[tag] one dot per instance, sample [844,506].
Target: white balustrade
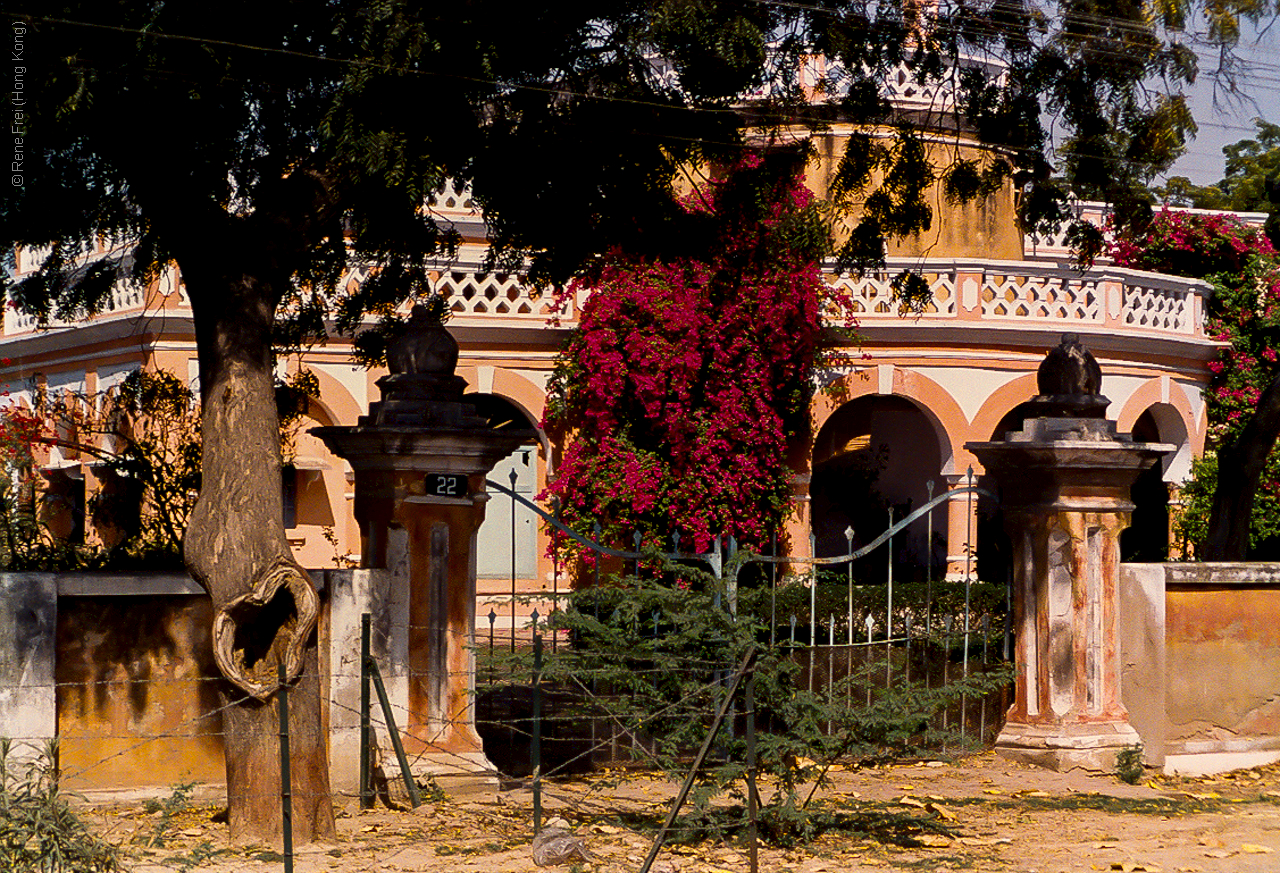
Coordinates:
[873,295]
[963,292]
[1041,298]
[125,295]
[1026,292]
[1171,310]
[497,295]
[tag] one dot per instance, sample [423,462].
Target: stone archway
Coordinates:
[875,452]
[494,541]
[1148,536]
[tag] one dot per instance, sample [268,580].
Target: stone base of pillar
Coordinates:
[1090,747]
[458,774]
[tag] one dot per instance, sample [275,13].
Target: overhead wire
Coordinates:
[793,114]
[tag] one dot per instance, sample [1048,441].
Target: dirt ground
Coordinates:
[978,813]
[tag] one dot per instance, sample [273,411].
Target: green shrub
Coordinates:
[1129,764]
[653,657]
[38,829]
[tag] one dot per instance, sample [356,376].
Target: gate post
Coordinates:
[1065,480]
[420,458]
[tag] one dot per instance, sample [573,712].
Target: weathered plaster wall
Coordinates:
[120,667]
[28,616]
[384,595]
[1201,648]
[136,685]
[1143,658]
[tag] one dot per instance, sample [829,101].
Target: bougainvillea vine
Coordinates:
[687,379]
[1244,312]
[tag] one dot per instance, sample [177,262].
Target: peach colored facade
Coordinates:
[923,385]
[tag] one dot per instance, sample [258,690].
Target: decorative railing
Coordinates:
[872,295]
[1015,295]
[961,293]
[1054,246]
[498,295]
[125,296]
[905,86]
[1026,293]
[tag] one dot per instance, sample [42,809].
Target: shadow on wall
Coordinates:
[131,667]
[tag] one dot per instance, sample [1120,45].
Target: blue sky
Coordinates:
[1231,120]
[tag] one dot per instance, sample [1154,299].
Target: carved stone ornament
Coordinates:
[424,348]
[1070,383]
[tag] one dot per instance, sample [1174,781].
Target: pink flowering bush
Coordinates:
[1244,312]
[687,378]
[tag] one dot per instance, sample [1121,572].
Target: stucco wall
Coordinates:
[132,668]
[28,616]
[120,668]
[1201,649]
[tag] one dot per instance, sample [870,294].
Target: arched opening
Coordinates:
[874,454]
[1147,537]
[508,537]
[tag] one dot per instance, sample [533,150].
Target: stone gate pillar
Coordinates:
[420,458]
[1064,481]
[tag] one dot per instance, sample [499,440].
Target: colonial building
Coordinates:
[920,386]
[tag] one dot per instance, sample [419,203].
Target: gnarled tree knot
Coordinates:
[267,625]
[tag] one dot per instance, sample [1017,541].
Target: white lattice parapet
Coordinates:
[125,296]
[905,86]
[1016,295]
[498,295]
[1026,293]
[1055,247]
[873,295]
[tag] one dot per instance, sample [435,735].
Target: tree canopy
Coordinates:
[265,147]
[1251,183]
[1232,502]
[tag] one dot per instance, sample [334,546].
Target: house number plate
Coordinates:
[446,485]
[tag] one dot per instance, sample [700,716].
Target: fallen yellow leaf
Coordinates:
[934,841]
[1254,849]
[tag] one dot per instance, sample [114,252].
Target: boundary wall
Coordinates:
[1201,654]
[119,667]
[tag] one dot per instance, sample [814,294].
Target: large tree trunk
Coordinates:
[1240,467]
[266,607]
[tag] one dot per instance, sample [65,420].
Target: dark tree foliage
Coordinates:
[1251,183]
[264,147]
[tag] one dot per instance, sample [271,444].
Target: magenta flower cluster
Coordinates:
[1245,308]
[686,381]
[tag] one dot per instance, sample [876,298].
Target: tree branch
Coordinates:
[1240,466]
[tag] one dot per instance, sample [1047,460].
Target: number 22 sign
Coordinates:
[446,485]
